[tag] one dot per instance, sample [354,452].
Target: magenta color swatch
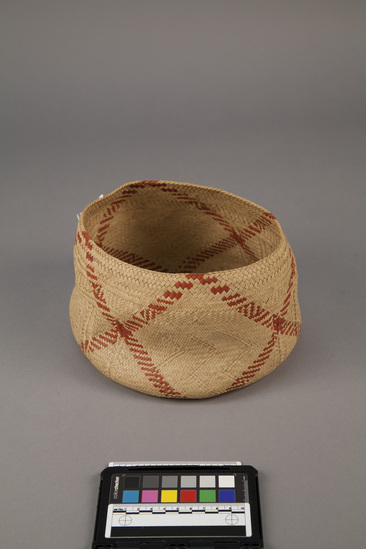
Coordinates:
[149,496]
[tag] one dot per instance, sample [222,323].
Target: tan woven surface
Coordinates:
[183,291]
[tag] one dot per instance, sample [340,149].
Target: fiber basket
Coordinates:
[183,291]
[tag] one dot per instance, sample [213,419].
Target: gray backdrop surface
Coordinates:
[263,99]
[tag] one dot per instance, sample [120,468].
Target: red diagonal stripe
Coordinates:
[150,371]
[241,237]
[281,325]
[256,366]
[103,340]
[133,259]
[255,312]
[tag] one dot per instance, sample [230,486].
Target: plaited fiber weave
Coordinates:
[183,291]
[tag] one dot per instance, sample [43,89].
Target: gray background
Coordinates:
[262,99]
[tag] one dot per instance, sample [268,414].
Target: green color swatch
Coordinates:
[207,496]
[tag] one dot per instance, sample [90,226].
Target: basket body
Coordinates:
[183,291]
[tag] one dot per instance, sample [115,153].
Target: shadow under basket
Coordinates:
[183,291]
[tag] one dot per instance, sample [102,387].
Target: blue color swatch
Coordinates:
[226,496]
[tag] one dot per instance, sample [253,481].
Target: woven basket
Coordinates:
[183,291]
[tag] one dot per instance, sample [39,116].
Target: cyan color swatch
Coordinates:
[130,496]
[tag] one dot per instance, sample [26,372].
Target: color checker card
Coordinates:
[157,506]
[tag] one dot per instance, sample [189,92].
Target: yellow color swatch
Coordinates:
[168,496]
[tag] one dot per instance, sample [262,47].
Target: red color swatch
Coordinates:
[188,496]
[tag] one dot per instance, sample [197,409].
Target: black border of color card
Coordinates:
[178,505]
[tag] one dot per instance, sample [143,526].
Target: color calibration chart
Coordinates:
[181,499]
[187,504]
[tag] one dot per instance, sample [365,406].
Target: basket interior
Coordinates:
[176,228]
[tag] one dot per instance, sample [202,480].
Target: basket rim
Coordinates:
[93,206]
